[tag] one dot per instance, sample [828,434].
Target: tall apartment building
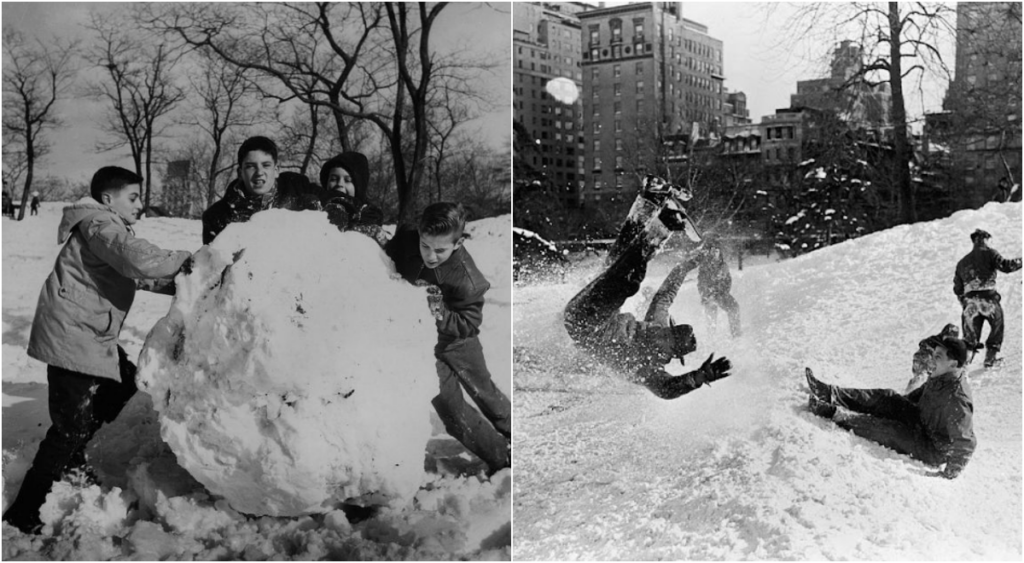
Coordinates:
[546,45]
[858,103]
[648,74]
[983,105]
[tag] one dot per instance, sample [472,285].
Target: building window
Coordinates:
[639,106]
[597,145]
[639,86]
[617,89]
[593,54]
[639,68]
[618,163]
[616,70]
[597,127]
[595,37]
[638,28]
[618,144]
[618,107]
[618,125]
[595,73]
[616,27]
[597,164]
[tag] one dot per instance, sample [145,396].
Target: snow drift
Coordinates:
[741,470]
[293,372]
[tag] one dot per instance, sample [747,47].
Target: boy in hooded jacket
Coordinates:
[432,254]
[344,179]
[78,318]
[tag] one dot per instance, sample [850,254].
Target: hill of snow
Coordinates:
[741,470]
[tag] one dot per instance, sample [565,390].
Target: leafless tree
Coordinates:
[899,40]
[36,74]
[140,87]
[369,62]
[226,102]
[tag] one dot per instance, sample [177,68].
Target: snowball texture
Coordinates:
[294,369]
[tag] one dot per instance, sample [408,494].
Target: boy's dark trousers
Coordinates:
[887,418]
[461,365]
[79,404]
[980,306]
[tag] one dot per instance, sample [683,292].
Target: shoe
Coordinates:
[820,408]
[991,357]
[819,390]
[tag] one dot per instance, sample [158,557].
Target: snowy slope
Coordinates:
[741,470]
[455,514]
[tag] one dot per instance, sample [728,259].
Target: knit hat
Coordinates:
[355,164]
[955,349]
[979,233]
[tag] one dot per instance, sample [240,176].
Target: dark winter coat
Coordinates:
[946,409]
[292,191]
[713,277]
[86,297]
[462,285]
[977,271]
[349,213]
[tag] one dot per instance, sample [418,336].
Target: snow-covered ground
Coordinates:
[741,470]
[457,512]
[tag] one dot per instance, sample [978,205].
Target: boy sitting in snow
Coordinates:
[78,318]
[641,349]
[433,255]
[924,358]
[932,424]
[344,179]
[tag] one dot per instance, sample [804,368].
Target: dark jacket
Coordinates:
[86,297]
[293,191]
[946,410]
[976,272]
[713,277]
[462,285]
[348,213]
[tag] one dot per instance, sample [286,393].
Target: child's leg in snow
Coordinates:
[972,320]
[907,439]
[993,311]
[883,403]
[604,296]
[72,404]
[465,424]
[728,302]
[465,359]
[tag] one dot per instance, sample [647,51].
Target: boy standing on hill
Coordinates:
[974,284]
[433,255]
[78,318]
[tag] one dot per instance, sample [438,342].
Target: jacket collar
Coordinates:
[81,210]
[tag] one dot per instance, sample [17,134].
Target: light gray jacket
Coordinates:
[85,299]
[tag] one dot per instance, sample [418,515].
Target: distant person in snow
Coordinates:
[932,424]
[8,205]
[260,185]
[344,179]
[34,206]
[714,283]
[924,358]
[432,254]
[641,349]
[81,309]
[974,284]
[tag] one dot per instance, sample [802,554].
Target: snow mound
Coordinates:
[268,373]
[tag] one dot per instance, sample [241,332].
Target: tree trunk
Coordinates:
[211,186]
[339,119]
[149,160]
[908,209]
[314,121]
[30,159]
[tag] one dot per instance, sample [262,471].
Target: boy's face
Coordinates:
[943,363]
[435,249]
[127,201]
[339,179]
[258,172]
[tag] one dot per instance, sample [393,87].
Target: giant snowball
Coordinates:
[294,371]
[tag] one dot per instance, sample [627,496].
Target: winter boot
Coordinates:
[819,390]
[991,357]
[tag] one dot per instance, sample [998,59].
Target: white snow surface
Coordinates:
[741,469]
[268,372]
[149,507]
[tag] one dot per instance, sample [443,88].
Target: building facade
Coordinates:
[648,75]
[981,124]
[546,46]
[843,92]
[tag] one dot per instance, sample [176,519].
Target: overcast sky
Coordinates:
[483,28]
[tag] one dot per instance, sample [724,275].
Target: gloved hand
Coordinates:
[370,215]
[713,370]
[337,214]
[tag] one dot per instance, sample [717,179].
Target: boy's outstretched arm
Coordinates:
[132,257]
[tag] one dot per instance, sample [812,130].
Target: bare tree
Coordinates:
[35,75]
[226,103]
[367,62]
[899,39]
[140,87]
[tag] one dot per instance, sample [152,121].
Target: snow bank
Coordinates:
[268,373]
[741,469]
